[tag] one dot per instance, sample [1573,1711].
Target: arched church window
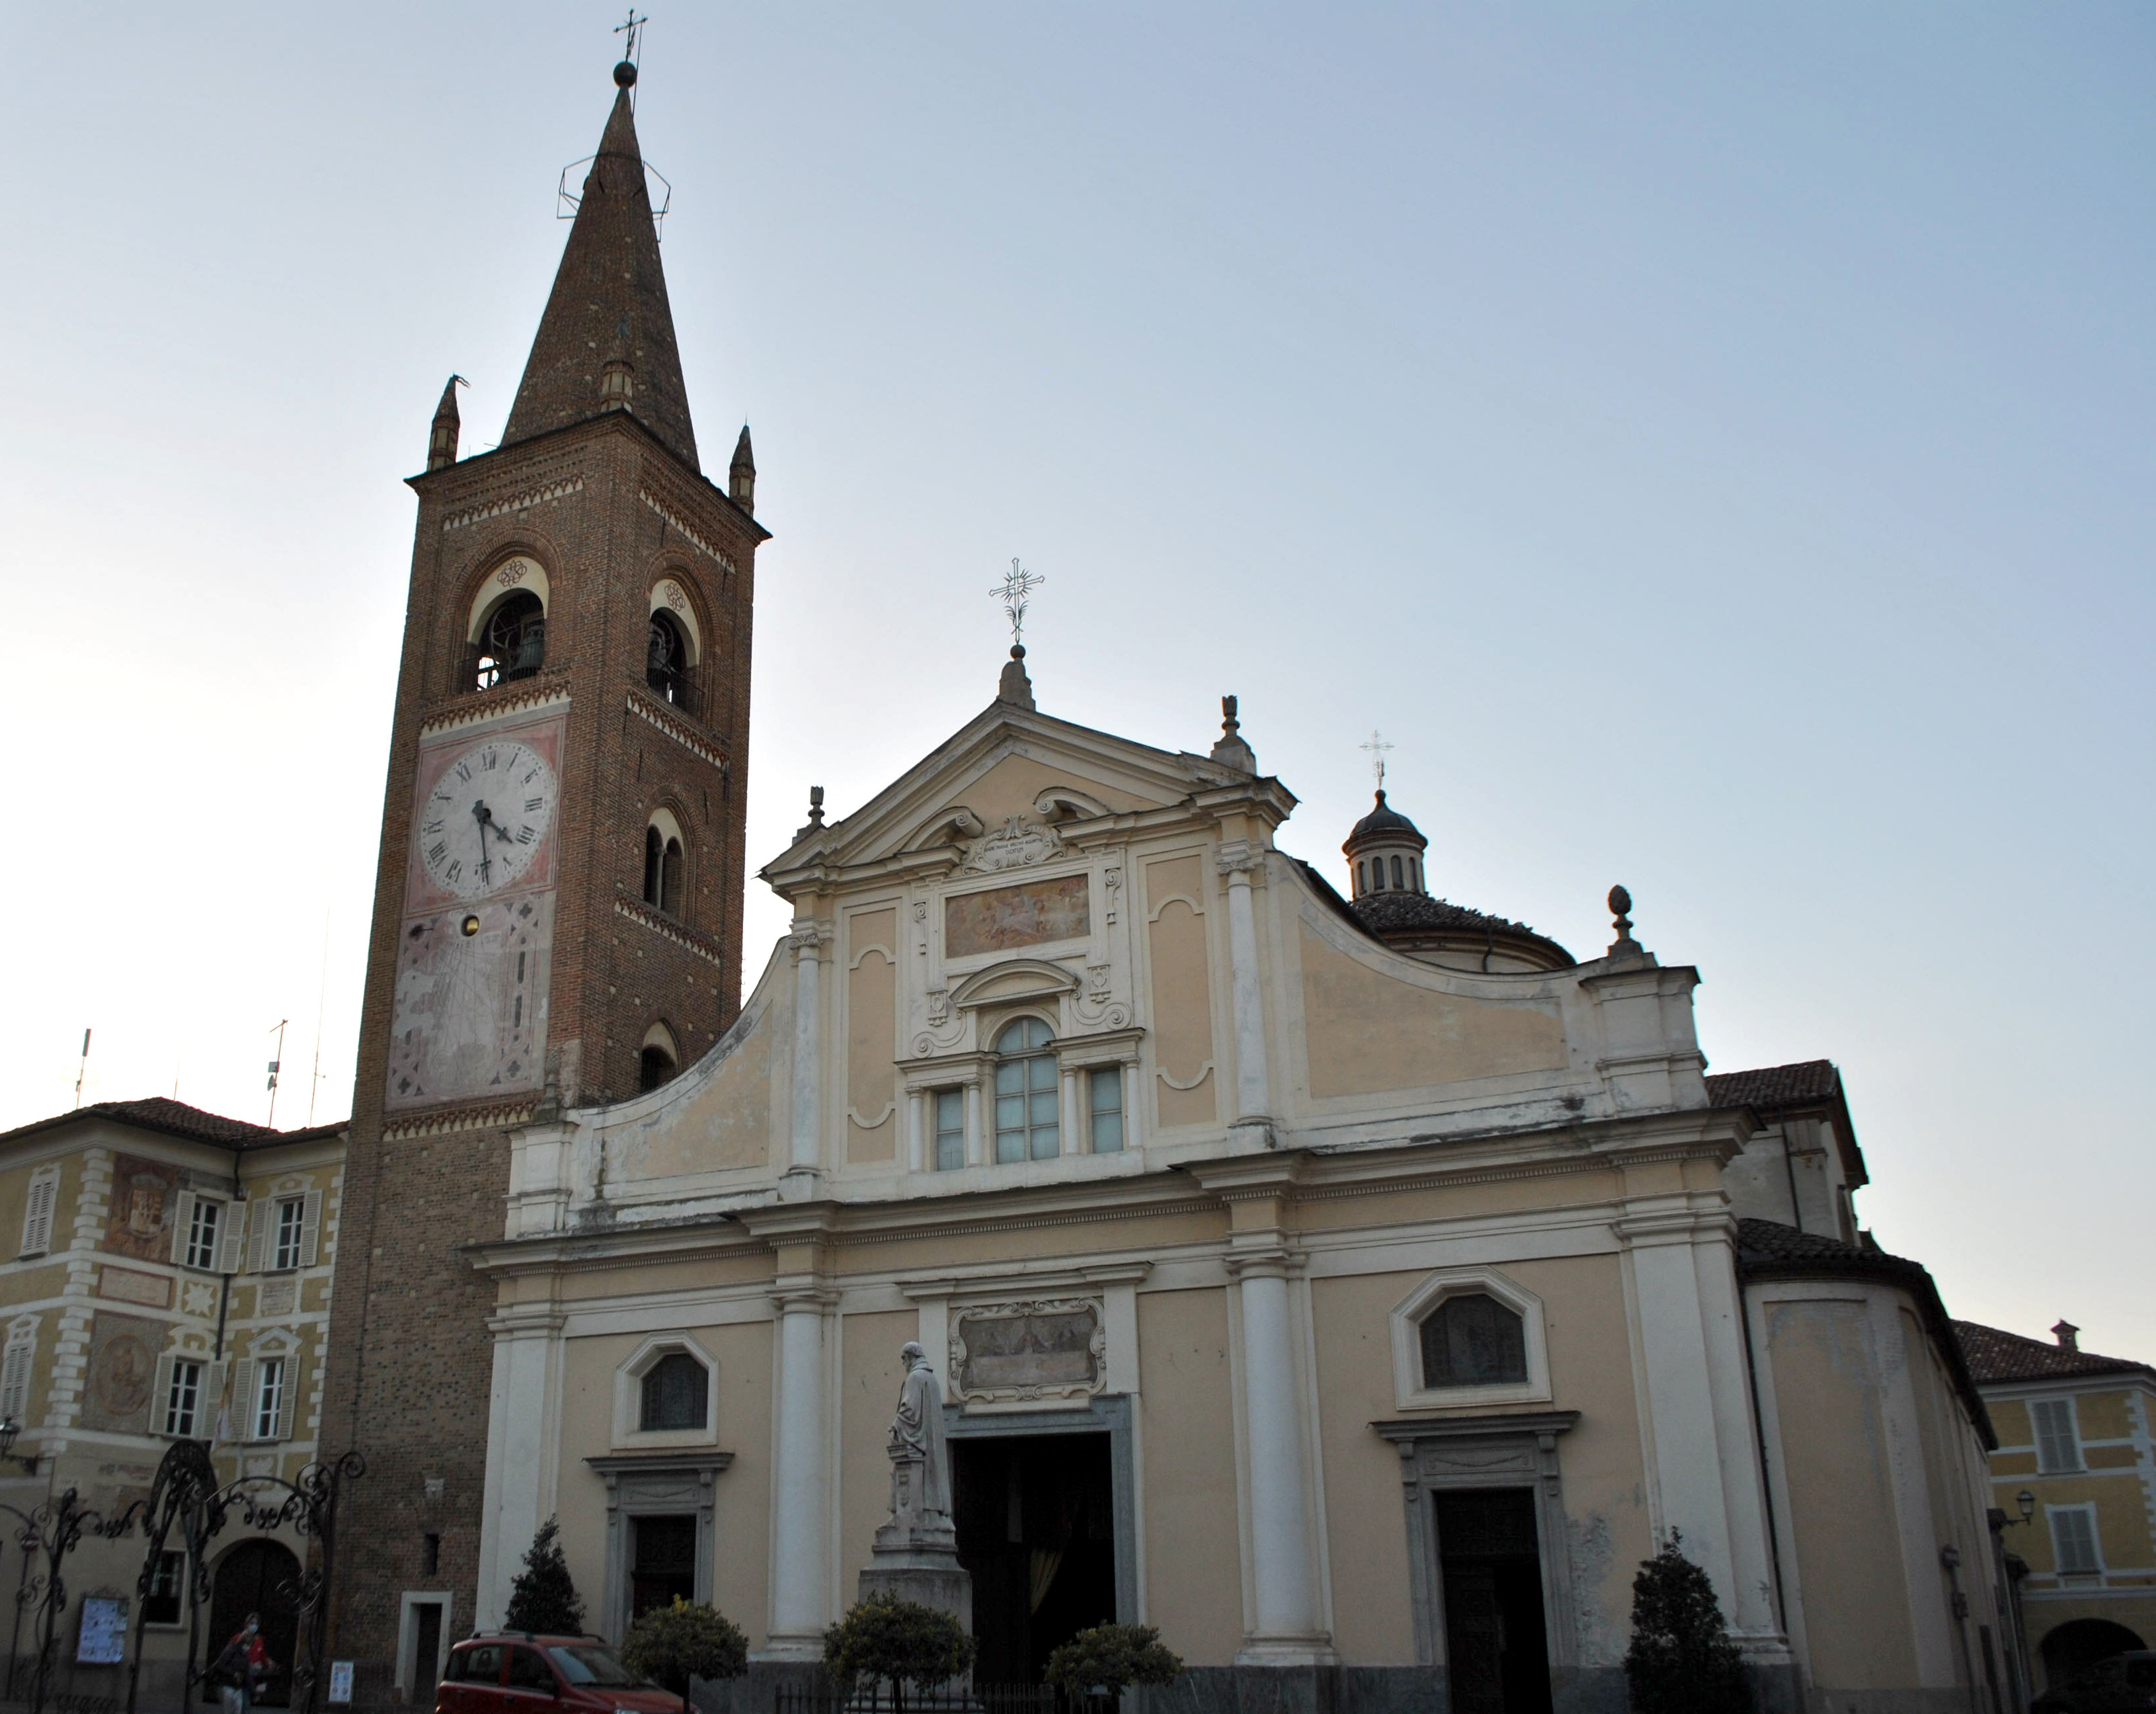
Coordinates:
[663,863]
[666,661]
[1362,877]
[1397,882]
[513,643]
[658,1060]
[1471,1340]
[676,1395]
[1026,1093]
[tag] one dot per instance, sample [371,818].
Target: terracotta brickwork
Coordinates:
[608,509]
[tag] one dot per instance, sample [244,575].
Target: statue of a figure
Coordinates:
[916,1438]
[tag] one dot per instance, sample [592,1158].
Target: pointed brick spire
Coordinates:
[442,438]
[607,340]
[740,475]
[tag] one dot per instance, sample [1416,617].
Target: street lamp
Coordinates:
[2026,1500]
[9,1429]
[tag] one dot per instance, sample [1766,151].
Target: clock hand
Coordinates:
[480,815]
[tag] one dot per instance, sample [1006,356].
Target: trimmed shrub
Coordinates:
[1110,1656]
[670,1645]
[1681,1660]
[885,1640]
[544,1598]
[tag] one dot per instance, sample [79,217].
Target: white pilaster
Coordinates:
[521,1451]
[1702,1445]
[805,1143]
[1287,1628]
[1253,1078]
[801,1523]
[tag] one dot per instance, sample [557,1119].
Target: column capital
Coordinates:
[790,1296]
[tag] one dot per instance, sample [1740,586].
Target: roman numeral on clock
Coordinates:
[437,851]
[532,806]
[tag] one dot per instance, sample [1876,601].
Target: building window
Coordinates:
[268,1401]
[513,645]
[162,1604]
[1362,877]
[291,1222]
[184,1398]
[1397,882]
[666,662]
[2073,1540]
[950,1129]
[1104,1102]
[202,1234]
[1473,1340]
[658,1060]
[2058,1444]
[676,1395]
[15,1370]
[38,1210]
[662,865]
[664,1568]
[1026,1126]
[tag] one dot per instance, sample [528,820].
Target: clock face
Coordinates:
[487,818]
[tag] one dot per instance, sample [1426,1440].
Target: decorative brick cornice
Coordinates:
[540,690]
[496,1116]
[515,503]
[666,928]
[683,531]
[678,729]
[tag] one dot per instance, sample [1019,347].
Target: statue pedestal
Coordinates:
[915,1556]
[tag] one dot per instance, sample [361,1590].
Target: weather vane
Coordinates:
[634,26]
[1017,585]
[1377,746]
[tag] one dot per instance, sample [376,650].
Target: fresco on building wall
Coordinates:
[123,1357]
[143,1192]
[1008,917]
[1046,1345]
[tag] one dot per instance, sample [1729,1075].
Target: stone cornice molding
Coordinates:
[823,1299]
[1644,1226]
[1545,1425]
[706,1463]
[1622,981]
[984,1278]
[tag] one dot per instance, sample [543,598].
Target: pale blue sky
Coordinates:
[1713,443]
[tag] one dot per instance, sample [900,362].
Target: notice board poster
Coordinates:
[102,1641]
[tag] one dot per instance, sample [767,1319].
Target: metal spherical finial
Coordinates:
[624,74]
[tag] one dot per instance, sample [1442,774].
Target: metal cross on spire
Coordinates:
[634,27]
[1377,746]
[1017,585]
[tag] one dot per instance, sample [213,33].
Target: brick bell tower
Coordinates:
[557,910]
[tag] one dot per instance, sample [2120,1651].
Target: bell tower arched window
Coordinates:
[663,863]
[512,642]
[658,1060]
[1027,1128]
[667,661]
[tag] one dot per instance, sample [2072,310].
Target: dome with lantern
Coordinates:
[1392,899]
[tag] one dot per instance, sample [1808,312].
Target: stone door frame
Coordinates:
[1446,1455]
[656,1484]
[1109,1414]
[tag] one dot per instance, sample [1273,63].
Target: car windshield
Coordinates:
[582,1664]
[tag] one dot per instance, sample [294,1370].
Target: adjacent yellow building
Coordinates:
[172,1281]
[2074,1474]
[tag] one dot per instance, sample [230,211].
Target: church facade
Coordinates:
[1355,1288]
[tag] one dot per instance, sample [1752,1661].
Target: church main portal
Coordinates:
[1036,1528]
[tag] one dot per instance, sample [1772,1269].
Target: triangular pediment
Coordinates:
[1010,782]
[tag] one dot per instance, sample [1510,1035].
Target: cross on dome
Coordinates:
[1377,746]
[1017,585]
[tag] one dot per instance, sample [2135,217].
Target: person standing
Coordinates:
[232,1672]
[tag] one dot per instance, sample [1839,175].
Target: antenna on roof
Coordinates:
[82,1071]
[279,1032]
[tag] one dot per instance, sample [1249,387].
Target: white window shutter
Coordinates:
[310,1229]
[284,1399]
[15,1383]
[232,1237]
[38,1215]
[183,1222]
[208,1417]
[160,1394]
[258,1232]
[242,1421]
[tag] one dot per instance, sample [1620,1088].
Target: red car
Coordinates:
[522,1673]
